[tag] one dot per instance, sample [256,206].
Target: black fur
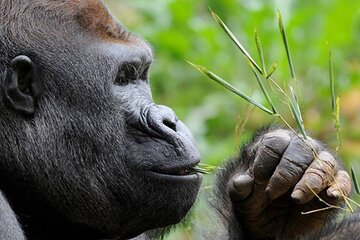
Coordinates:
[348,228]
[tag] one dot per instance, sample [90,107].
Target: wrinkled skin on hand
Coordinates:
[279,183]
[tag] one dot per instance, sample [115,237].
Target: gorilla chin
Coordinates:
[178,196]
[173,192]
[165,199]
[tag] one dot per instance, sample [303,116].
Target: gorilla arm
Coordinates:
[9,228]
[262,193]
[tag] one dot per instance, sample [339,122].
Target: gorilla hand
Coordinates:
[278,183]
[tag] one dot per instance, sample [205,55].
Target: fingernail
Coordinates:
[297,195]
[269,192]
[243,184]
[243,180]
[335,193]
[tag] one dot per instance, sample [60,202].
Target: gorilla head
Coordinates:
[83,146]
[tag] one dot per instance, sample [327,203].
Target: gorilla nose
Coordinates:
[163,123]
[162,119]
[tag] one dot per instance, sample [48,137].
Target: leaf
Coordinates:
[295,108]
[271,70]
[260,51]
[332,83]
[263,89]
[337,122]
[228,86]
[236,41]
[286,44]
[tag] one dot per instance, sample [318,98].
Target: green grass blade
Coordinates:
[332,83]
[264,90]
[356,183]
[335,101]
[298,122]
[295,108]
[208,168]
[236,41]
[286,44]
[271,70]
[200,170]
[260,51]
[228,86]
[337,122]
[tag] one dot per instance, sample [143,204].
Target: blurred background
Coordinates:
[181,30]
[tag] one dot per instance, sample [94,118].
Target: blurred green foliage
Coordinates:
[181,30]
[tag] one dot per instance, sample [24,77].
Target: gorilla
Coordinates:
[86,154]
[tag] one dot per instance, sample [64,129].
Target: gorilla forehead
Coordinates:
[91,15]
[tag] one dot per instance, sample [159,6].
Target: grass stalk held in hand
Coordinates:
[295,104]
[286,44]
[329,206]
[291,100]
[261,53]
[295,109]
[230,87]
[236,41]
[332,83]
[271,70]
[335,102]
[264,90]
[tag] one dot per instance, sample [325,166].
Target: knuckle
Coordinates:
[266,152]
[243,185]
[295,163]
[344,178]
[299,152]
[286,178]
[327,157]
[277,141]
[314,144]
[315,179]
[326,162]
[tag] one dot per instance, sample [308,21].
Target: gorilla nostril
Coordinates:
[170,124]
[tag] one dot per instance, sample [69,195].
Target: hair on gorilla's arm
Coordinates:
[9,226]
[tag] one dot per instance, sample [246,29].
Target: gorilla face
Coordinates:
[88,147]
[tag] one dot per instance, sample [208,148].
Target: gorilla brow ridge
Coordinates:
[96,18]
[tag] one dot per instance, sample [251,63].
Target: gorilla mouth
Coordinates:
[187,172]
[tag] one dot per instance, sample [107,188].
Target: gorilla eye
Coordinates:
[130,73]
[145,72]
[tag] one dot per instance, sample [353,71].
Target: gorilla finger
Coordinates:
[296,159]
[316,178]
[243,185]
[270,149]
[341,186]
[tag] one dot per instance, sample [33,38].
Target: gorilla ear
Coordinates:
[19,86]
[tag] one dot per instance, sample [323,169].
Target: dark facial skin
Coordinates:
[93,153]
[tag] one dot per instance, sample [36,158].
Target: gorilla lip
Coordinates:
[180,172]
